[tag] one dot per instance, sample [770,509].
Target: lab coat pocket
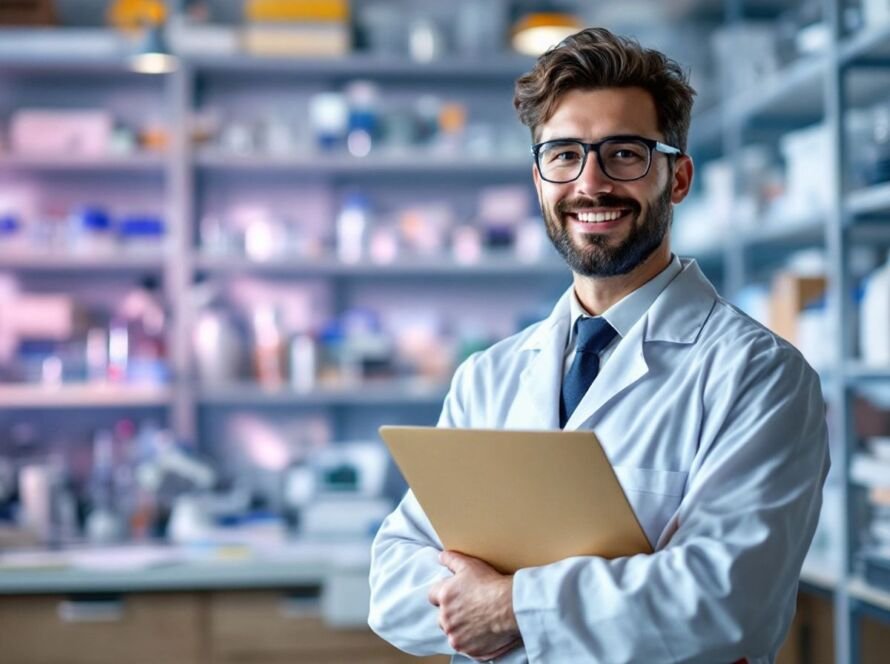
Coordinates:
[654,496]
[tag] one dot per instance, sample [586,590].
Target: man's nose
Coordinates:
[593,180]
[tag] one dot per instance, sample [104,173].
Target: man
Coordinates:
[715,427]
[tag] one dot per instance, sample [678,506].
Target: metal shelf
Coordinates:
[135,163]
[858,588]
[790,233]
[490,265]
[868,201]
[344,164]
[498,66]
[68,50]
[83,396]
[43,261]
[819,575]
[866,47]
[857,372]
[383,393]
[794,95]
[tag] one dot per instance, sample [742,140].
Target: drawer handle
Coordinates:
[300,603]
[91,611]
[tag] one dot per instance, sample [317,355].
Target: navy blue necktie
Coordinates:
[593,334]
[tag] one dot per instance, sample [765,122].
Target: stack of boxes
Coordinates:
[302,28]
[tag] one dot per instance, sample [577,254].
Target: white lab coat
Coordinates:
[716,430]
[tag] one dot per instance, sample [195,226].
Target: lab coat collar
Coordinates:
[555,324]
[677,316]
[679,313]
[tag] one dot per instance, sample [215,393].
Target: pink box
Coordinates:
[42,316]
[52,132]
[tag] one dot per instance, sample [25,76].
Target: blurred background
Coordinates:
[237,236]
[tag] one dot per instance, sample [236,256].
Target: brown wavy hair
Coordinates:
[596,58]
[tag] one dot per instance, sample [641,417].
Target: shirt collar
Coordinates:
[624,314]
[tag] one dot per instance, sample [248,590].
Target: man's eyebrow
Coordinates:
[584,140]
[563,138]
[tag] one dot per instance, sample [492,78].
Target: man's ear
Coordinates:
[682,178]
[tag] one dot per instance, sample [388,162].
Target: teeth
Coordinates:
[597,217]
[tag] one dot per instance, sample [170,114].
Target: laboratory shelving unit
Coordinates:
[809,90]
[185,169]
[851,72]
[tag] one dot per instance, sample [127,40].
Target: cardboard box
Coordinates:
[790,294]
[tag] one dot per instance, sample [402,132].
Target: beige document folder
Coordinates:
[517,498]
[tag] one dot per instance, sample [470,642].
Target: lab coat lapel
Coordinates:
[537,402]
[625,367]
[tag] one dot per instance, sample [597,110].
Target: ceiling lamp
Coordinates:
[154,56]
[534,33]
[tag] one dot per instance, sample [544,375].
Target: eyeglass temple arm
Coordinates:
[667,149]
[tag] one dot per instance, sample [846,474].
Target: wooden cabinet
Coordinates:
[137,629]
[230,627]
[271,628]
[811,637]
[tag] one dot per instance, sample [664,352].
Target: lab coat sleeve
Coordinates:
[405,558]
[723,586]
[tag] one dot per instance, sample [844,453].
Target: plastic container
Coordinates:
[329,117]
[90,231]
[12,237]
[352,226]
[141,234]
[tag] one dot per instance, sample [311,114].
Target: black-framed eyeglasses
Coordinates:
[623,158]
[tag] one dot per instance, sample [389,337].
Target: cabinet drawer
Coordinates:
[273,628]
[149,629]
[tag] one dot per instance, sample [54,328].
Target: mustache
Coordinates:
[568,206]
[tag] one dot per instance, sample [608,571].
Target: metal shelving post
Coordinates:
[180,255]
[839,312]
[733,128]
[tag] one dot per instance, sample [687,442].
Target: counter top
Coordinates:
[146,568]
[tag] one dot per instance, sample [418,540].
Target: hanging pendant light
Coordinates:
[537,31]
[153,55]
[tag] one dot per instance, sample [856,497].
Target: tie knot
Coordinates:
[594,334]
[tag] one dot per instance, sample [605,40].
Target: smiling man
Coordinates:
[715,427]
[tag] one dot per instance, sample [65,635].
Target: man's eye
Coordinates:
[563,156]
[625,154]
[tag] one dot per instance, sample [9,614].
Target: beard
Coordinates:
[596,258]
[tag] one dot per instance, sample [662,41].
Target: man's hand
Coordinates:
[475,607]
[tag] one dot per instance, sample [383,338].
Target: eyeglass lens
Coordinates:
[563,161]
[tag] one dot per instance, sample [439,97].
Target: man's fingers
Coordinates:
[453,560]
[433,594]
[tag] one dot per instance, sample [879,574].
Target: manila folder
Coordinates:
[517,499]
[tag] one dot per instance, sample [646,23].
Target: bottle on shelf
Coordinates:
[303,357]
[103,523]
[352,226]
[136,344]
[268,348]
[90,231]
